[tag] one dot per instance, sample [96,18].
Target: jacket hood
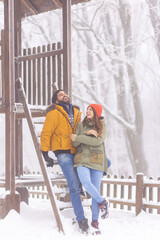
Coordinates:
[53,106]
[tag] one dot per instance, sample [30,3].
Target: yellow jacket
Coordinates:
[57,129]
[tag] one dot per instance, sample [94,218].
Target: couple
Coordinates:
[79,148]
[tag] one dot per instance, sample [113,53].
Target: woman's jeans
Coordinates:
[65,161]
[91,180]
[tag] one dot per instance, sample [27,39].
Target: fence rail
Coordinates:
[133,194]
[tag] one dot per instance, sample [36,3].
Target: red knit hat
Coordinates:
[97,108]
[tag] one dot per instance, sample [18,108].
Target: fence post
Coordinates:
[139,192]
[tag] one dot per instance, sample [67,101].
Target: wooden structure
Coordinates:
[133,194]
[14,64]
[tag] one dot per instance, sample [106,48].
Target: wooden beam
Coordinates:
[57,3]
[40,55]
[18,123]
[3,65]
[67,46]
[2,108]
[12,92]
[30,6]
[7,93]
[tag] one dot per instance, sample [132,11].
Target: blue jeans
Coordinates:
[91,180]
[65,161]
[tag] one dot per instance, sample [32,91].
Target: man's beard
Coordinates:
[67,101]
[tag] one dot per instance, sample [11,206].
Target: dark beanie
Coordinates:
[54,97]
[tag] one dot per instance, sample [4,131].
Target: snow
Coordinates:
[36,222]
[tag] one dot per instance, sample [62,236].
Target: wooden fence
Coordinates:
[41,71]
[136,194]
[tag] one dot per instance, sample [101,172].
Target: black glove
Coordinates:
[49,161]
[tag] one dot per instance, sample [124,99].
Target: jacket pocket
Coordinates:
[78,156]
[96,157]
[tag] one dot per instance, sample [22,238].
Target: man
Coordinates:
[61,121]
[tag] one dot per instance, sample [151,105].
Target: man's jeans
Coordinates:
[91,180]
[65,161]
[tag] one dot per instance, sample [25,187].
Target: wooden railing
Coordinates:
[133,194]
[41,71]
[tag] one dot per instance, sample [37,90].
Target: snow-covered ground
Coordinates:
[37,222]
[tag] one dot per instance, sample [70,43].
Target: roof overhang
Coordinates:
[34,7]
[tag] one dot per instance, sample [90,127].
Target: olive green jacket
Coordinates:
[90,150]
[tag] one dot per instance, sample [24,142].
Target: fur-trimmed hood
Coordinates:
[53,106]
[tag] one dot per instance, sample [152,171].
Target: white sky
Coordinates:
[37,222]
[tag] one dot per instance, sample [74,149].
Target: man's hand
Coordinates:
[49,161]
[73,137]
[92,132]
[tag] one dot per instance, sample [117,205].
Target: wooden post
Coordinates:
[11,200]
[3,65]
[67,46]
[18,122]
[139,193]
[7,93]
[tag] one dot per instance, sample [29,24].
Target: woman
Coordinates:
[90,159]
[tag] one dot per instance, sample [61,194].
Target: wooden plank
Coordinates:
[122,202]
[115,191]
[39,76]
[48,76]
[30,6]
[57,3]
[44,76]
[59,68]
[67,47]
[2,108]
[19,147]
[34,114]
[120,182]
[122,192]
[108,187]
[29,94]
[3,65]
[12,93]
[139,193]
[34,79]
[129,193]
[150,195]
[41,161]
[18,123]
[54,88]
[7,100]
[152,184]
[152,206]
[40,55]
[25,84]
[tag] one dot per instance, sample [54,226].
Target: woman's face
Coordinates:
[89,113]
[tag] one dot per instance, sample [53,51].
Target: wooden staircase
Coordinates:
[47,180]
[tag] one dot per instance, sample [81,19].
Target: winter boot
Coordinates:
[83,225]
[95,227]
[104,208]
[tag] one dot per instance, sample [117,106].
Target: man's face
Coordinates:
[62,97]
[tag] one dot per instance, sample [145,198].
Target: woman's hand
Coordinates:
[92,132]
[73,137]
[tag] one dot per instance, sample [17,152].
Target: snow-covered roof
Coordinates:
[32,7]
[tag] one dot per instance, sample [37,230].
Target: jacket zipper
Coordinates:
[75,122]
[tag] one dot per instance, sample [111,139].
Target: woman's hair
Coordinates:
[97,123]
